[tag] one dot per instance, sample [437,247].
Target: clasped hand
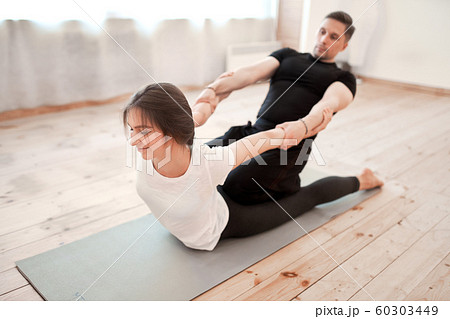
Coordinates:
[207,101]
[295,131]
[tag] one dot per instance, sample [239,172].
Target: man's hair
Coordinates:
[344,18]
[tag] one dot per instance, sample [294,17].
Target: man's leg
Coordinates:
[279,176]
[247,220]
[233,134]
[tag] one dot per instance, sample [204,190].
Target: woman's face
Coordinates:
[148,139]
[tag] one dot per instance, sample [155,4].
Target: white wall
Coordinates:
[397,40]
[314,11]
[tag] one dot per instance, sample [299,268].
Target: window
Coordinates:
[146,12]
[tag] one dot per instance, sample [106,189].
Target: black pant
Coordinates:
[277,171]
[247,220]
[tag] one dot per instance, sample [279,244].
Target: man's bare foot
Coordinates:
[368,180]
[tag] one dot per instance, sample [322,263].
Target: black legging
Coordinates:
[280,178]
[247,220]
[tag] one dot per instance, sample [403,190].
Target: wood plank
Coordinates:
[11,279]
[9,257]
[446,191]
[367,263]
[85,197]
[411,148]
[30,185]
[29,159]
[410,154]
[414,265]
[81,124]
[435,286]
[55,183]
[390,113]
[93,136]
[375,103]
[382,129]
[296,277]
[408,126]
[26,293]
[431,179]
[254,275]
[75,219]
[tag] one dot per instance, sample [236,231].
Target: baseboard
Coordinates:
[407,86]
[20,113]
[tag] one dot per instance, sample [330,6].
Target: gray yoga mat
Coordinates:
[158,266]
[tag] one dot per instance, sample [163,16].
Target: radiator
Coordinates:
[248,53]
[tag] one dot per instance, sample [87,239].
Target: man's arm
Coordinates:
[230,81]
[336,98]
[245,76]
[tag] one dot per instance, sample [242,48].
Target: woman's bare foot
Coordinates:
[368,180]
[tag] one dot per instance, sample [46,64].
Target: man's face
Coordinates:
[329,31]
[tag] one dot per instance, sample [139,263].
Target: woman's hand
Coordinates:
[208,96]
[205,105]
[295,131]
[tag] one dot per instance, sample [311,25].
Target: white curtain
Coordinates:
[75,61]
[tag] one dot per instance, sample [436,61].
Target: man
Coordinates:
[301,92]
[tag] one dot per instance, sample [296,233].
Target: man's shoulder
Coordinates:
[286,51]
[346,74]
[293,51]
[348,79]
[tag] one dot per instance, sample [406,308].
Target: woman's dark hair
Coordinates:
[346,19]
[166,107]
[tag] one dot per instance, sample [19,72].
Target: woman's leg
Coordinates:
[247,220]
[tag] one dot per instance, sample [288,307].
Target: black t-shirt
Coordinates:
[298,101]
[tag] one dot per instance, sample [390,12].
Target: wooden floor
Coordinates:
[64,177]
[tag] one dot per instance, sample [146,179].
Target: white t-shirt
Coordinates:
[190,206]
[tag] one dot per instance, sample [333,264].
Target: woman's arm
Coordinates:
[296,130]
[253,145]
[201,112]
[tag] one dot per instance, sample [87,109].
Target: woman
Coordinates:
[181,189]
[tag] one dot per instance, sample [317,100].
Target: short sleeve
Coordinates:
[282,53]
[349,80]
[220,161]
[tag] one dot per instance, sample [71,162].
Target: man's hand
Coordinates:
[327,115]
[226,74]
[295,131]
